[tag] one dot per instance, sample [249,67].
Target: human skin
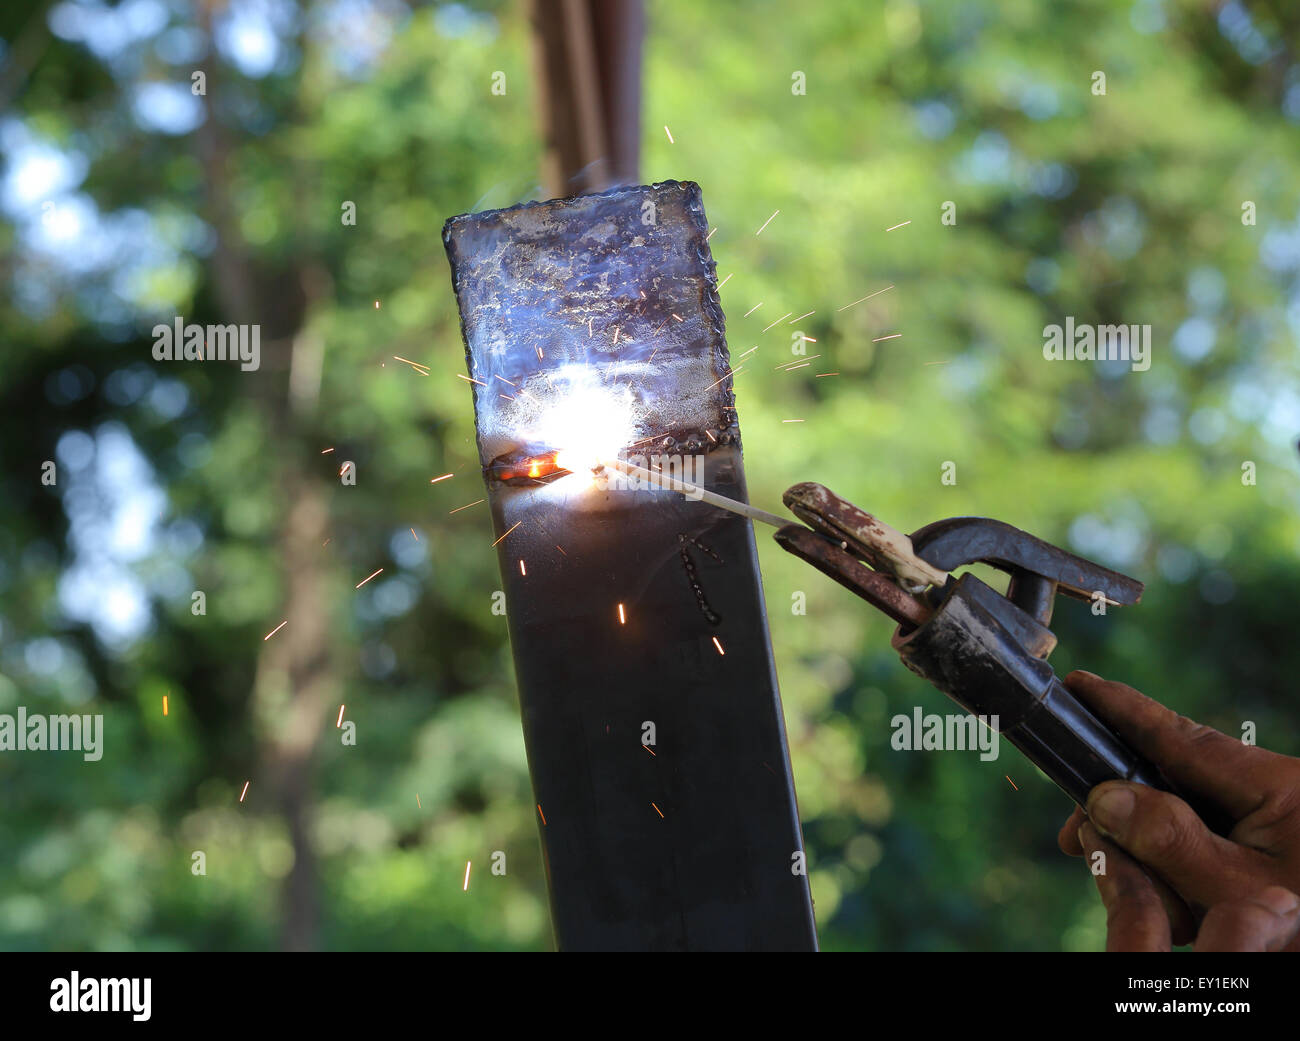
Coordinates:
[1168,879]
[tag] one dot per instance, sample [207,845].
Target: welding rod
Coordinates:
[662,480]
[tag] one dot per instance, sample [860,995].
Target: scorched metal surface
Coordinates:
[635,612]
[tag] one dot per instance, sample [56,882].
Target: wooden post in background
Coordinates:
[588,71]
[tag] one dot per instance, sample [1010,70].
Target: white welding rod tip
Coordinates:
[663,480]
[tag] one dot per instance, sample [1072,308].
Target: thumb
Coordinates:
[1163,832]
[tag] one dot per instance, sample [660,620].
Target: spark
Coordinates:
[801,317]
[164,704]
[543,816]
[709,235]
[376,305]
[502,379]
[466,507]
[344,468]
[750,351]
[423,370]
[679,317]
[821,374]
[1010,781]
[327,451]
[275,630]
[752,309]
[366,579]
[442,478]
[766,223]
[731,373]
[799,361]
[721,284]
[938,362]
[868,297]
[903,225]
[417,800]
[658,811]
[465,887]
[507,397]
[650,750]
[799,366]
[718,646]
[512,528]
[670,135]
[891,336]
[327,541]
[414,535]
[709,435]
[470,379]
[523,570]
[339,722]
[539,353]
[244,792]
[781,319]
[560,548]
[622,616]
[792,421]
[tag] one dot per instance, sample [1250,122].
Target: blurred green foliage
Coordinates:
[1124,207]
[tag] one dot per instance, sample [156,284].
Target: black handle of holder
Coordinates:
[966,652]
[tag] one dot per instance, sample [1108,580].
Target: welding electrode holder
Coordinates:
[975,648]
[986,651]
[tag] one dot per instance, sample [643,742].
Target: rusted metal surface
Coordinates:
[637,606]
[878,589]
[870,539]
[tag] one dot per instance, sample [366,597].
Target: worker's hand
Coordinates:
[1137,919]
[1189,869]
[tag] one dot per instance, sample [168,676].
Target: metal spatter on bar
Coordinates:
[693,578]
[592,330]
[606,300]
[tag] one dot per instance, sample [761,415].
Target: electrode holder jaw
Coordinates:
[1038,569]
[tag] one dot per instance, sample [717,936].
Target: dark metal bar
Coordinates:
[634,607]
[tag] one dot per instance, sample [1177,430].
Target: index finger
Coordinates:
[1197,758]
